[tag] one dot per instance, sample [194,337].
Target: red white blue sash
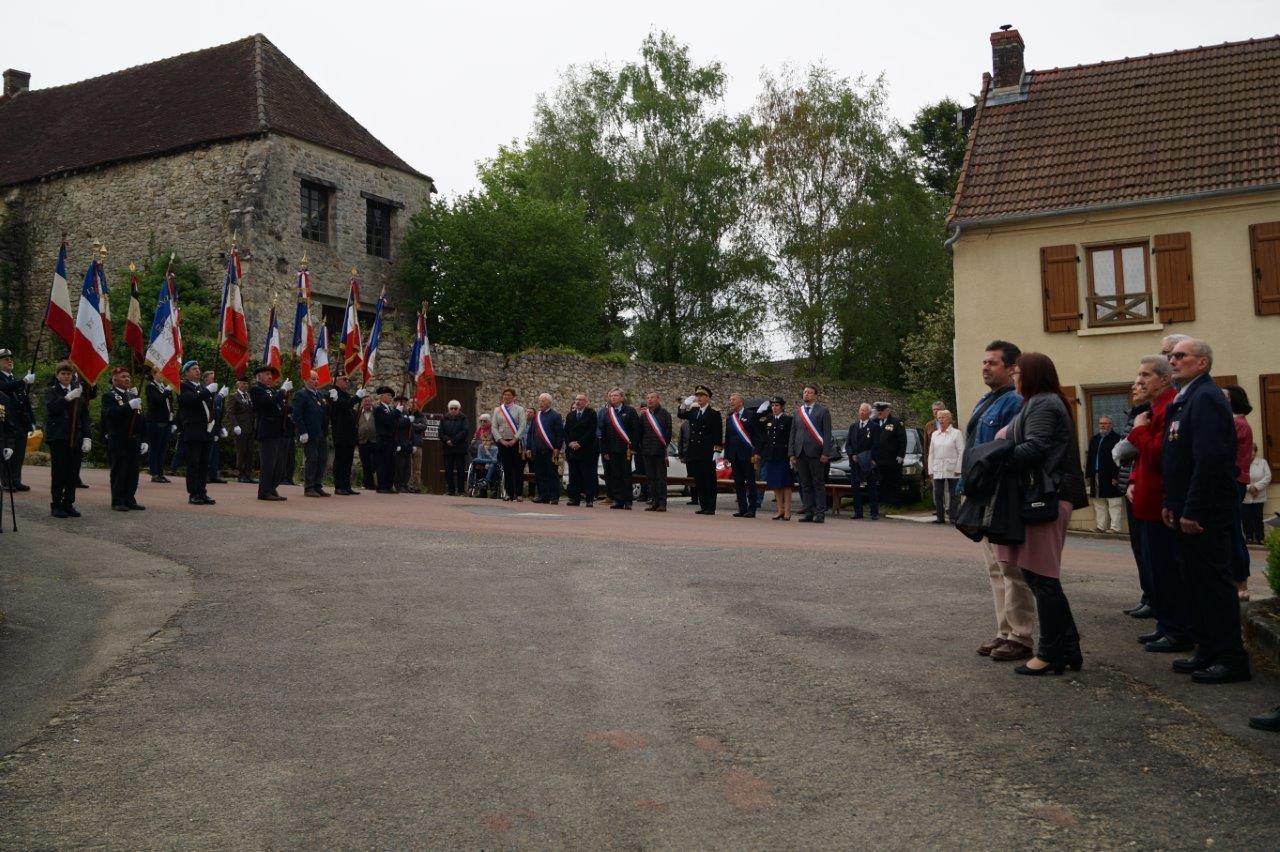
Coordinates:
[804,416]
[617,426]
[542,430]
[506,415]
[653,424]
[736,420]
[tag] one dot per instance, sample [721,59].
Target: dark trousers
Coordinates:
[1213,602]
[12,469]
[455,473]
[64,472]
[813,488]
[244,455]
[512,459]
[369,465]
[197,453]
[1239,547]
[546,476]
[1135,544]
[271,451]
[343,456]
[315,453]
[289,458]
[945,490]
[386,465]
[1251,516]
[619,469]
[179,454]
[1163,568]
[655,474]
[1059,639]
[582,476]
[123,456]
[891,483]
[157,442]
[744,485]
[703,472]
[215,458]
[872,480]
[403,463]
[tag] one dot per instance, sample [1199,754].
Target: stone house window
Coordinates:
[377,228]
[315,212]
[1119,284]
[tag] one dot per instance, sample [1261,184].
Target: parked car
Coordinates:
[912,465]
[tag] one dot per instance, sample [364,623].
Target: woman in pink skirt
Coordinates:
[1044,440]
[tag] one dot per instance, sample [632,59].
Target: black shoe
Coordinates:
[617,506]
[58,512]
[119,508]
[1189,665]
[1051,669]
[1149,637]
[71,511]
[274,498]
[80,483]
[856,517]
[1220,673]
[386,491]
[1168,645]
[1144,611]
[160,478]
[20,487]
[750,514]
[741,515]
[806,519]
[196,500]
[1131,610]
[538,500]
[875,517]
[591,504]
[574,503]
[819,520]
[1266,721]
[936,521]
[137,507]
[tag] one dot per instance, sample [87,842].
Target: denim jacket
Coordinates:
[996,417]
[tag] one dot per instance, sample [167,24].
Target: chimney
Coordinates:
[15,82]
[1006,57]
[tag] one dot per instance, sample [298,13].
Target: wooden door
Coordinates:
[447,388]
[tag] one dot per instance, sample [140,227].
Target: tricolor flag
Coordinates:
[233,330]
[271,349]
[320,358]
[420,367]
[304,335]
[133,321]
[352,347]
[164,353]
[104,304]
[89,350]
[371,351]
[57,314]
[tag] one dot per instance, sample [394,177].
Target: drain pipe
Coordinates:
[951,240]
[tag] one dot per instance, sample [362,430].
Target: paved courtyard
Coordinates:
[412,671]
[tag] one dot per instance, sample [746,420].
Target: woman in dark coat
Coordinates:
[455,439]
[774,462]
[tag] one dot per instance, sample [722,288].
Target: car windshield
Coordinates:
[913,441]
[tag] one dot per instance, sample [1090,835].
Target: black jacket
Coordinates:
[159,402]
[992,505]
[775,435]
[121,425]
[859,438]
[342,418]
[888,441]
[1100,468]
[310,413]
[269,405]
[649,443]
[385,420]
[196,412]
[20,415]
[57,415]
[580,426]
[735,448]
[455,434]
[1044,439]
[9,429]
[1199,454]
[706,431]
[611,441]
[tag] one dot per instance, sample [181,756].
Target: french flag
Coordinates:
[375,333]
[271,349]
[164,353]
[304,335]
[420,367]
[233,330]
[57,314]
[133,320]
[352,347]
[320,359]
[104,303]
[89,351]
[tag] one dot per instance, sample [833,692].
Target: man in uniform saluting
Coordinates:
[20,419]
[706,431]
[197,412]
[742,441]
[812,446]
[240,410]
[122,424]
[618,438]
[269,405]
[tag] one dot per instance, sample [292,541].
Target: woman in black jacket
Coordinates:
[775,463]
[455,438]
[1047,460]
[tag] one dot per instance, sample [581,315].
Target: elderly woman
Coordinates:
[946,449]
[774,455]
[454,434]
[484,427]
[1255,496]
[1238,399]
[1048,461]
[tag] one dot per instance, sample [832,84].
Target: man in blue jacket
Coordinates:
[742,440]
[311,419]
[1199,500]
[546,440]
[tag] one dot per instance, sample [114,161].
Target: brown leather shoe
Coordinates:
[986,648]
[1010,651]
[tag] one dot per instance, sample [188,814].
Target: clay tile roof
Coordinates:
[237,90]
[1128,131]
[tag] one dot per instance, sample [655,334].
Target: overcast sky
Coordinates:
[443,84]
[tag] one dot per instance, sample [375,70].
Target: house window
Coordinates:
[1108,401]
[315,212]
[377,228]
[1119,285]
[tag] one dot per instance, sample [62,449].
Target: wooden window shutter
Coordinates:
[1264,248]
[1175,287]
[1061,291]
[1069,391]
[1269,445]
[1223,381]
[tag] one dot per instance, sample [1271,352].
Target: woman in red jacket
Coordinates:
[1146,493]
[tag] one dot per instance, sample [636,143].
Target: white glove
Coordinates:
[135,404]
[29,378]
[86,445]
[223,391]
[397,448]
[361,393]
[173,428]
[212,387]
[399,408]
[303,438]
[142,450]
[764,406]
[224,433]
[237,430]
[7,454]
[75,392]
[690,400]
[287,386]
[333,394]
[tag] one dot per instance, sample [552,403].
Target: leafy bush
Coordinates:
[1273,560]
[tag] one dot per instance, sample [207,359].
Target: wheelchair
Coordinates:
[477,472]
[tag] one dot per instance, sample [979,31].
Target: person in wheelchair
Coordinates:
[485,471]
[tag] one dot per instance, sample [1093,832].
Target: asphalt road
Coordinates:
[411,672]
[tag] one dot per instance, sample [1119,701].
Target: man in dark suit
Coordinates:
[161,424]
[742,439]
[66,434]
[857,445]
[269,404]
[386,417]
[888,448]
[655,437]
[219,431]
[122,424]
[343,405]
[240,411]
[580,442]
[311,416]
[1104,478]
[546,440]
[706,432]
[619,436]
[1198,461]
[812,446]
[20,417]
[196,413]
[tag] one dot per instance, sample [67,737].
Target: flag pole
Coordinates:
[44,320]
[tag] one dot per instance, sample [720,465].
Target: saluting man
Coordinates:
[240,410]
[706,431]
[20,418]
[546,440]
[123,424]
[197,412]
[269,405]
[160,425]
[742,440]
[618,439]
[812,446]
[655,436]
[342,417]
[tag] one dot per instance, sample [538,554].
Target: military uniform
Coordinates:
[197,412]
[21,420]
[858,447]
[888,446]
[269,406]
[123,427]
[240,412]
[160,426]
[311,414]
[706,431]
[342,420]
[66,427]
[385,420]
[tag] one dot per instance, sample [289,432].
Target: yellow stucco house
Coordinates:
[1102,207]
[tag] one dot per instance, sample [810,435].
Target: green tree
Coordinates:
[936,141]
[928,365]
[507,272]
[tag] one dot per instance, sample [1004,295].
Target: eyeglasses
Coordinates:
[1178,356]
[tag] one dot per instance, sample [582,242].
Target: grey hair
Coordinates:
[940,404]
[545,396]
[453,403]
[1158,364]
[1201,349]
[1172,340]
[618,391]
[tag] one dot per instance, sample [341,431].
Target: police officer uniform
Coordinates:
[706,431]
[240,411]
[66,429]
[343,407]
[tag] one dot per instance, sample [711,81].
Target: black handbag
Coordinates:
[1039,497]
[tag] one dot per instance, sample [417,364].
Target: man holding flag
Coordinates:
[66,433]
[19,417]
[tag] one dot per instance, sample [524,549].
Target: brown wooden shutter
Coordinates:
[1069,391]
[1223,381]
[1264,248]
[1174,285]
[1061,291]
[1269,445]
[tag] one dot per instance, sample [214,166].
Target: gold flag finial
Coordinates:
[304,259]
[354,272]
[133,267]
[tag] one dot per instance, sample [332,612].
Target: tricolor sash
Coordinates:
[804,417]
[617,427]
[542,430]
[653,424]
[736,420]
[506,415]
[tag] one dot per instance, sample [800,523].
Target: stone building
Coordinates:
[181,154]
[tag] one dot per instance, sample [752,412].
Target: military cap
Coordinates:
[6,353]
[702,389]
